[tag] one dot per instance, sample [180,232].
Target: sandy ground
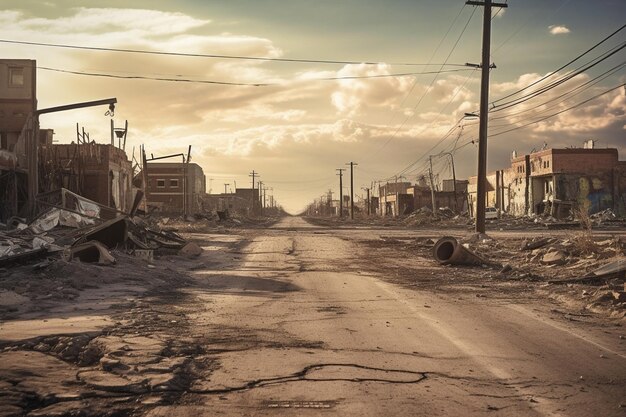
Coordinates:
[302,320]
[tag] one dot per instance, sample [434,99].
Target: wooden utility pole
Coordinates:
[481,186]
[261,197]
[352,164]
[340,173]
[369,205]
[264,197]
[253,175]
[432,183]
[453,180]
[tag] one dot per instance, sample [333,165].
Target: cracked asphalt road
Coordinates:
[304,325]
[303,320]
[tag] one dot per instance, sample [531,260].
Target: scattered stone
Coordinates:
[106,381]
[556,257]
[110,364]
[191,250]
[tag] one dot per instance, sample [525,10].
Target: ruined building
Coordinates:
[554,181]
[18,104]
[99,172]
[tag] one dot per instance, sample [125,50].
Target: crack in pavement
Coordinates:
[304,375]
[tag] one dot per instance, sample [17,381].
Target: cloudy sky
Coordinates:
[296,122]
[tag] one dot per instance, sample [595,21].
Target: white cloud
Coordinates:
[97,20]
[356,94]
[559,29]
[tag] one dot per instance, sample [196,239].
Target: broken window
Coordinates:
[174,183]
[16,77]
[160,183]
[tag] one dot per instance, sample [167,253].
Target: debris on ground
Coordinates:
[448,251]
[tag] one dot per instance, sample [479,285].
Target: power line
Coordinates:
[195,81]
[141,77]
[560,112]
[433,80]
[571,93]
[415,80]
[560,80]
[562,67]
[182,54]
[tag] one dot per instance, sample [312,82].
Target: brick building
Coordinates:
[99,172]
[175,187]
[18,103]
[241,201]
[553,181]
[402,198]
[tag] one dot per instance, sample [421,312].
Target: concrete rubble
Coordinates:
[80,233]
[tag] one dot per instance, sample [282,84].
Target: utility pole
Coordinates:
[432,183]
[261,196]
[369,205]
[264,197]
[453,180]
[253,175]
[352,164]
[340,173]
[484,112]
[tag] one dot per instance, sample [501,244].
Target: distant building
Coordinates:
[175,187]
[402,198]
[553,181]
[241,201]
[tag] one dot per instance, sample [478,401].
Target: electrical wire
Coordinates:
[193,81]
[406,96]
[571,93]
[560,68]
[434,79]
[560,80]
[237,57]
[560,112]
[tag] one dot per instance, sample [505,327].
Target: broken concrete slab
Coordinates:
[554,257]
[145,254]
[58,217]
[92,251]
[191,250]
[110,382]
[536,243]
[23,257]
[111,233]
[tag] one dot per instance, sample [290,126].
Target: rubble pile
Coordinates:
[79,233]
[221,220]
[595,268]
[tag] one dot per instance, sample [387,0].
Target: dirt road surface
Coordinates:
[298,320]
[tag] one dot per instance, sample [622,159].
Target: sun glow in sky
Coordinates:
[299,127]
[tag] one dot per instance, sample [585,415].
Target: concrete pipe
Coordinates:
[448,251]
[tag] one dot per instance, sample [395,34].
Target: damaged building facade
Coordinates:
[241,201]
[100,172]
[555,181]
[401,198]
[175,187]
[18,104]
[32,165]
